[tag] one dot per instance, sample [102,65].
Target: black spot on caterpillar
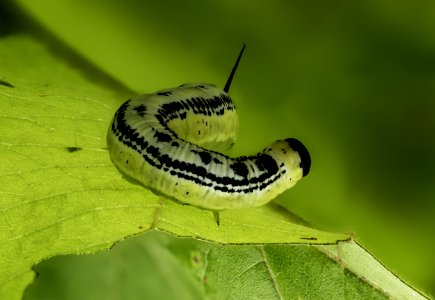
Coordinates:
[168,141]
[141,109]
[240,168]
[162,137]
[204,156]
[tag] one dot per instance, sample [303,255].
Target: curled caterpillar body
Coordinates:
[166,140]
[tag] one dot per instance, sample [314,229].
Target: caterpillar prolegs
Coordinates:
[168,140]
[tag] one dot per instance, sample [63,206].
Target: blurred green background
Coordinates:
[354,80]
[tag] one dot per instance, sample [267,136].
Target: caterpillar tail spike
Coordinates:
[169,142]
[233,71]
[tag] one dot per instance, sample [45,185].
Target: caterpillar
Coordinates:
[168,142]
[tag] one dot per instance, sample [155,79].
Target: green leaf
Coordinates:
[158,266]
[61,194]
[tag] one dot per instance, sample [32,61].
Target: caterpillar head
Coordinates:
[294,155]
[304,155]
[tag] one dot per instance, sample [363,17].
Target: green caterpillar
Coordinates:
[165,140]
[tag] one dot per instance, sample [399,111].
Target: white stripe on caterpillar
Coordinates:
[165,141]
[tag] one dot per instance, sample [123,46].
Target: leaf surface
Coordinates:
[159,266]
